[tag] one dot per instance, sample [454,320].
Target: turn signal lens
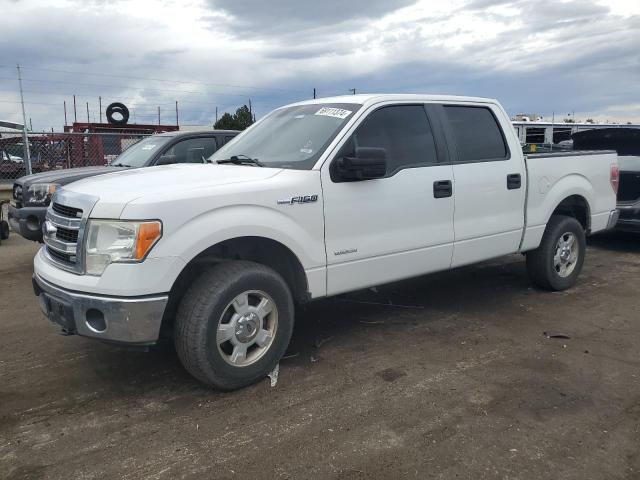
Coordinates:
[148,234]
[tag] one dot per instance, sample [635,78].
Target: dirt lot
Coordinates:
[445,376]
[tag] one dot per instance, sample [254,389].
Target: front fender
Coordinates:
[304,239]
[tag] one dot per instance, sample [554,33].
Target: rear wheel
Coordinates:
[557,262]
[234,324]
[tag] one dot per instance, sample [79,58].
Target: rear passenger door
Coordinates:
[489,184]
[394,227]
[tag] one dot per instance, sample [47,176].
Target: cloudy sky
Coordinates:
[535,56]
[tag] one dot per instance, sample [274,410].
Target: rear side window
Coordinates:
[403,131]
[477,133]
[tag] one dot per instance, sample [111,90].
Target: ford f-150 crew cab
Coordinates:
[316,199]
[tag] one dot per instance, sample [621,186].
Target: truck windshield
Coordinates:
[138,154]
[291,137]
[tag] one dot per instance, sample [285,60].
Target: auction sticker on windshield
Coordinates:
[334,112]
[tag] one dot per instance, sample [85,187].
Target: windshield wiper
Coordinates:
[245,160]
[120,165]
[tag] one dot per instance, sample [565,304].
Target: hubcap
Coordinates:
[246,328]
[566,254]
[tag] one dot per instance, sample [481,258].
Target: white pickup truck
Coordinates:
[316,199]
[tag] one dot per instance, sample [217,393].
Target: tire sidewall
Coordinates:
[270,283]
[561,226]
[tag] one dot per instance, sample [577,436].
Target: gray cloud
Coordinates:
[534,55]
[288,17]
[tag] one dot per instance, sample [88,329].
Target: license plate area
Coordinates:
[58,312]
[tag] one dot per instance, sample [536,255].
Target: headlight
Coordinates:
[110,241]
[40,193]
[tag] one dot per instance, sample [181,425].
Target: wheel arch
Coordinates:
[576,206]
[262,250]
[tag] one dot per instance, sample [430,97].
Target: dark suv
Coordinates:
[32,193]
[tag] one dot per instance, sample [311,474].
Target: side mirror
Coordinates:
[167,160]
[369,163]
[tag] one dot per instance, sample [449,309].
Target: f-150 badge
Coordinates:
[299,199]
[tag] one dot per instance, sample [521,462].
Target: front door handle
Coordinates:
[442,189]
[514,181]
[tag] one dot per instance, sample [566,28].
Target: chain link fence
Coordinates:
[55,151]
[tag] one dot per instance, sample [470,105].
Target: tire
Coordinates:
[117,107]
[211,312]
[551,266]
[4,230]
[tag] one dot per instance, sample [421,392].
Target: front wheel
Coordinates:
[557,262]
[234,324]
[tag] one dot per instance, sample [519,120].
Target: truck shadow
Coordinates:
[445,304]
[616,240]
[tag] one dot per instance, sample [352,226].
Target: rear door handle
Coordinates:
[442,189]
[514,181]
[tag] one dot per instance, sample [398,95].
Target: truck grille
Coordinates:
[66,211]
[63,231]
[629,189]
[64,258]
[67,235]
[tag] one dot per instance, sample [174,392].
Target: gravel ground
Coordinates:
[444,376]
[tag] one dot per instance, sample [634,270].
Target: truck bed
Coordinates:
[552,177]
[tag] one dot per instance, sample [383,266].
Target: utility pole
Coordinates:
[65,113]
[216,114]
[249,105]
[100,107]
[158,114]
[314,93]
[352,90]
[75,113]
[177,113]
[30,125]
[553,124]
[25,138]
[88,119]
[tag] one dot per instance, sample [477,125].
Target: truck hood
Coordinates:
[63,177]
[124,186]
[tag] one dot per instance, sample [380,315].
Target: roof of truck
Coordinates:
[195,133]
[383,97]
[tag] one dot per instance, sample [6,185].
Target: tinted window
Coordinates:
[193,150]
[477,133]
[228,138]
[403,131]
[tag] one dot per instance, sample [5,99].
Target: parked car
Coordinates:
[316,199]
[625,141]
[32,193]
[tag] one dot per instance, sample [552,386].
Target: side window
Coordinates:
[477,133]
[403,131]
[228,138]
[193,150]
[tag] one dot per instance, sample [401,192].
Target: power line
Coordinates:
[99,74]
[173,91]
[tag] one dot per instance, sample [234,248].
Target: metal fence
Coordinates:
[54,151]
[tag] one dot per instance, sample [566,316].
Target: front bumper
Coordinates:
[27,221]
[131,320]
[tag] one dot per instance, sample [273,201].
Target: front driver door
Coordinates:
[382,230]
